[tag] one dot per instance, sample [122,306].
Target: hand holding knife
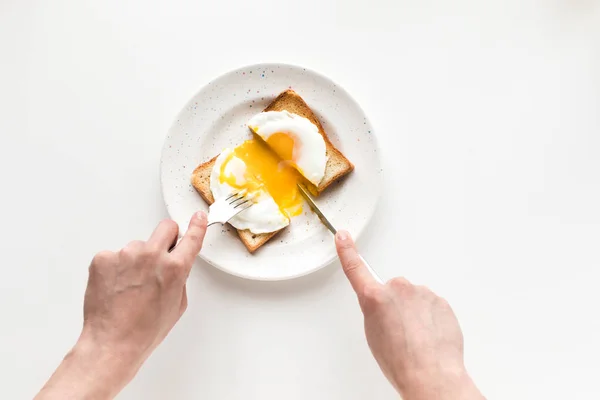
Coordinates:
[329,226]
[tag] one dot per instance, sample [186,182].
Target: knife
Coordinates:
[304,192]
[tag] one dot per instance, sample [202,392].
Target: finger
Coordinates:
[164,235]
[356,271]
[191,243]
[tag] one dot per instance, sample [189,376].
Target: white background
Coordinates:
[488,114]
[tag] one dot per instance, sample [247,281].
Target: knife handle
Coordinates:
[371,270]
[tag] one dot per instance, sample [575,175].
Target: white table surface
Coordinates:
[488,115]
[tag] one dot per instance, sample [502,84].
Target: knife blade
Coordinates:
[313,206]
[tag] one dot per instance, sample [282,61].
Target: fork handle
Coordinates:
[372,271]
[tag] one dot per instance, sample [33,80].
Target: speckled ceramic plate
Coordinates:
[215,118]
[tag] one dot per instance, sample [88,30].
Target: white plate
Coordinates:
[215,118]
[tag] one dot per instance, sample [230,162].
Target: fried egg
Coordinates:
[252,167]
[267,168]
[295,139]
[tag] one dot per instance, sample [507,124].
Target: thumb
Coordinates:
[191,243]
[355,269]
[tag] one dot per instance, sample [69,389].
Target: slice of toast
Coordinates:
[337,164]
[336,167]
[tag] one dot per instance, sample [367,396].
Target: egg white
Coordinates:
[309,146]
[264,216]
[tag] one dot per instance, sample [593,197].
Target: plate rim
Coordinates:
[375,141]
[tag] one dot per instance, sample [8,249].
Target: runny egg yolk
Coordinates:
[283,145]
[269,170]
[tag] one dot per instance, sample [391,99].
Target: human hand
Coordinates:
[133,299]
[135,296]
[413,334]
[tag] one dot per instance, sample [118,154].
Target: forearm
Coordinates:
[88,372]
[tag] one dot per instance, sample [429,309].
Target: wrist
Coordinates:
[103,362]
[449,384]
[104,369]
[89,371]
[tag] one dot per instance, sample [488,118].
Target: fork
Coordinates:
[226,208]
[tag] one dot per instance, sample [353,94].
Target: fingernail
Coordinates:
[201,215]
[342,235]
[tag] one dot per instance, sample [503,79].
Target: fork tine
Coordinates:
[236,201]
[242,203]
[234,194]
